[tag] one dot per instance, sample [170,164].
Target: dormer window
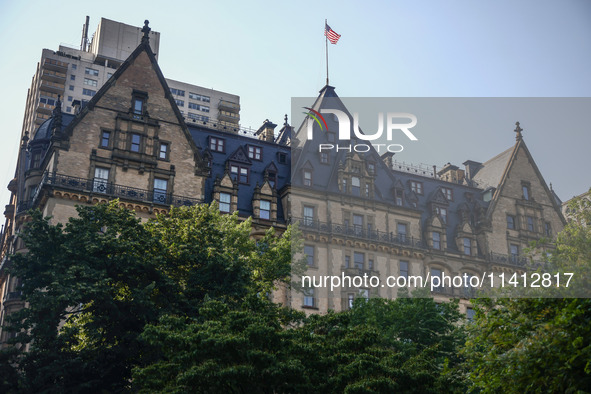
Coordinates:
[416,187]
[307,178]
[240,173]
[355,186]
[138,104]
[441,212]
[216,144]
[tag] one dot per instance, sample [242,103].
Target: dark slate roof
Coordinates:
[44,131]
[467,199]
[236,150]
[491,173]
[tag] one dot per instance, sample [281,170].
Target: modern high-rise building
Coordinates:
[76,74]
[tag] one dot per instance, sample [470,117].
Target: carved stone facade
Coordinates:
[360,216]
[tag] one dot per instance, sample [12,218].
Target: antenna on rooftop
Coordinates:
[84,41]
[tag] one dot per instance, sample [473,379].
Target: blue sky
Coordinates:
[268,52]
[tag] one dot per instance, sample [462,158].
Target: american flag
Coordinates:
[332,35]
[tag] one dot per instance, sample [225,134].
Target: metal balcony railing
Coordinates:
[111,190]
[307,224]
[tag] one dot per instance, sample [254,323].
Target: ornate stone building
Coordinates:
[130,142]
[362,214]
[359,212]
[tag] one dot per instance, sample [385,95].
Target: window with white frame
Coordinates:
[101,180]
[225,199]
[255,152]
[160,188]
[309,300]
[308,215]
[436,238]
[265,209]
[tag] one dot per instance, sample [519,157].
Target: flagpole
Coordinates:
[326,43]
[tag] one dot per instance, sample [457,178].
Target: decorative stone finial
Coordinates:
[285,124]
[57,116]
[518,130]
[146,30]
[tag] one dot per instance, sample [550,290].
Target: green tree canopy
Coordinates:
[93,284]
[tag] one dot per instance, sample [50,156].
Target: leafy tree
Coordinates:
[263,348]
[93,284]
[538,344]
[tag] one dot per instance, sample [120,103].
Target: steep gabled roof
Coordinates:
[512,157]
[143,47]
[491,173]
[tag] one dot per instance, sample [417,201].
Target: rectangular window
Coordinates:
[101,180]
[265,210]
[402,230]
[359,260]
[416,187]
[204,108]
[347,261]
[71,87]
[436,273]
[240,173]
[282,158]
[308,215]
[448,193]
[436,237]
[403,269]
[36,160]
[163,151]
[90,82]
[177,92]
[371,168]
[398,194]
[135,143]
[106,139]
[225,199]
[70,98]
[180,103]
[470,313]
[355,186]
[370,264]
[442,212]
[138,106]
[309,298]
[307,178]
[255,152]
[216,144]
[74,66]
[91,71]
[514,249]
[350,300]
[194,106]
[88,92]
[160,188]
[194,96]
[511,222]
[530,223]
[467,247]
[324,157]
[309,252]
[525,190]
[72,77]
[198,117]
[357,224]
[109,75]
